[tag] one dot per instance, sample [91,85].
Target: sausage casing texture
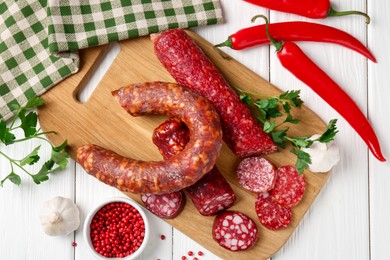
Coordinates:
[212,193]
[181,170]
[191,68]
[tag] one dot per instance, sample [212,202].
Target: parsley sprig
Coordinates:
[267,108]
[27,122]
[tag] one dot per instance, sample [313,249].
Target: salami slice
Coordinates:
[271,214]
[234,231]
[164,205]
[212,193]
[256,174]
[289,187]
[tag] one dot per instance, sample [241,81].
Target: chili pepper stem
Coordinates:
[227,43]
[333,13]
[278,44]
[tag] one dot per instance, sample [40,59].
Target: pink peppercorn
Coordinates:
[117,230]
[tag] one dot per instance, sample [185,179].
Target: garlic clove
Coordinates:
[324,156]
[59,216]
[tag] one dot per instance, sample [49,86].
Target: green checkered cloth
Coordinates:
[27,68]
[79,24]
[38,37]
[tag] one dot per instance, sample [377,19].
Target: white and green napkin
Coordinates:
[33,32]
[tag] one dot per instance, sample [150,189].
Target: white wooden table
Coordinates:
[349,219]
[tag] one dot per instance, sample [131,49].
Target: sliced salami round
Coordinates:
[164,205]
[256,174]
[211,194]
[289,187]
[271,214]
[234,231]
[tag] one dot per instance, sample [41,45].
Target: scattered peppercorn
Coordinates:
[200,253]
[183,257]
[195,258]
[190,253]
[74,244]
[162,237]
[117,230]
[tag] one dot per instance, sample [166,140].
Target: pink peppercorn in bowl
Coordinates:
[117,228]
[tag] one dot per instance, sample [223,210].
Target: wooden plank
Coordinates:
[100,120]
[336,227]
[86,195]
[379,110]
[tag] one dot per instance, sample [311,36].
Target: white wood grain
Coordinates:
[349,219]
[379,109]
[21,235]
[336,226]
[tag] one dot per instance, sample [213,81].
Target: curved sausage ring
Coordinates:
[183,169]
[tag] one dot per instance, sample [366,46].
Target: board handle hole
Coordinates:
[85,92]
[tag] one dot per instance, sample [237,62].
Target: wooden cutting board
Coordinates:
[102,121]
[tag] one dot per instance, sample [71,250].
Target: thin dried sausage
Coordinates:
[191,68]
[180,171]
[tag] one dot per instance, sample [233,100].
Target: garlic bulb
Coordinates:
[323,155]
[59,216]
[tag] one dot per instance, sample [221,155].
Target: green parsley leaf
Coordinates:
[279,137]
[6,136]
[301,141]
[34,102]
[293,97]
[268,126]
[290,119]
[303,160]
[29,123]
[12,177]
[43,173]
[31,158]
[60,158]
[246,99]
[286,106]
[268,108]
[60,147]
[329,133]
[14,107]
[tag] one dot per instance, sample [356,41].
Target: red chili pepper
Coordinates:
[294,31]
[295,60]
[309,8]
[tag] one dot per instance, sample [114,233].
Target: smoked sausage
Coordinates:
[212,193]
[181,170]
